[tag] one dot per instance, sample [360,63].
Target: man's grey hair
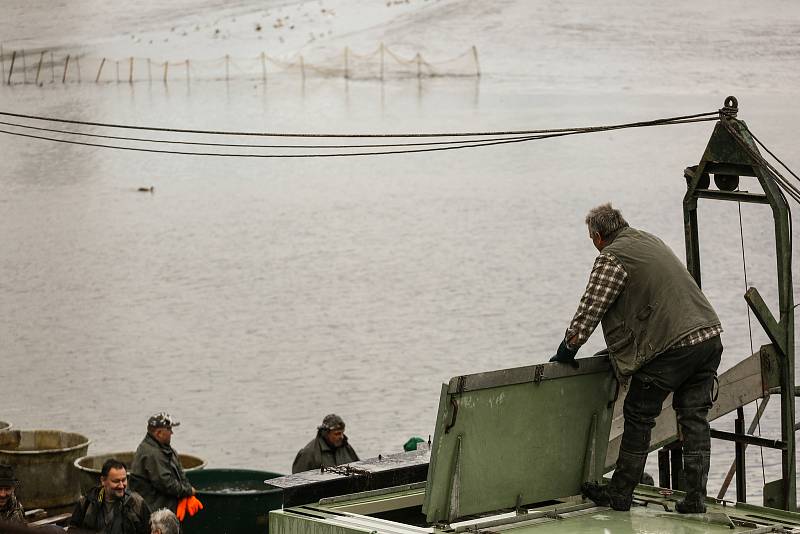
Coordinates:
[605,220]
[165,522]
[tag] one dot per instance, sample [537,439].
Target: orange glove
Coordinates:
[193,505]
[181,512]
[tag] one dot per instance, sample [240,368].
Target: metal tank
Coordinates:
[235,501]
[89,466]
[43,462]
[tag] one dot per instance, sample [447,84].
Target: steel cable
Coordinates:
[782,182]
[682,118]
[248,145]
[468,143]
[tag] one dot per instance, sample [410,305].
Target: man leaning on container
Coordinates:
[156,471]
[663,337]
[329,447]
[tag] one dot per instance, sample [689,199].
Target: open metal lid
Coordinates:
[518,436]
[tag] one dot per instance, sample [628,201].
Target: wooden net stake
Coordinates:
[66,66]
[24,69]
[477,63]
[11,69]
[39,67]
[166,66]
[227,68]
[149,72]
[187,71]
[78,67]
[264,67]
[419,66]
[382,62]
[130,71]
[99,70]
[52,68]
[346,62]
[303,69]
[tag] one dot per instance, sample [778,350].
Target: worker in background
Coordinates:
[663,337]
[10,508]
[156,471]
[329,448]
[111,508]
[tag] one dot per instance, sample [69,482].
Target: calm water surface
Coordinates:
[251,297]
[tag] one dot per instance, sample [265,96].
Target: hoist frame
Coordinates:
[732,152]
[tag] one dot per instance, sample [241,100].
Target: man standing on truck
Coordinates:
[663,337]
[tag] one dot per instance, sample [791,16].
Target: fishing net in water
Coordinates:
[40,67]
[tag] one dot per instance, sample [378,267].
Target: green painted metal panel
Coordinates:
[518,436]
[303,521]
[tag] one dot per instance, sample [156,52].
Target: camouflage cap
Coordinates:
[162,420]
[331,422]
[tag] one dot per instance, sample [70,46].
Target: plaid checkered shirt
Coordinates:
[606,282]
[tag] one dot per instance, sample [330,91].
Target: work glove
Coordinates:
[565,354]
[190,505]
[181,511]
[193,505]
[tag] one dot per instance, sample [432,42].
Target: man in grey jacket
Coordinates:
[156,471]
[328,449]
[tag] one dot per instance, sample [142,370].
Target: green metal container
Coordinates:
[42,460]
[235,501]
[89,466]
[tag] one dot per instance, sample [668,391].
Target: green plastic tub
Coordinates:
[235,501]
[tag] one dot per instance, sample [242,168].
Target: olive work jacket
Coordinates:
[660,304]
[317,453]
[157,475]
[130,515]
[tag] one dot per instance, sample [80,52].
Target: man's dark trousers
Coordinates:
[689,373]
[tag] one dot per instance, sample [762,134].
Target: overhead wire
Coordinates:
[237,145]
[709,115]
[762,145]
[783,183]
[479,139]
[328,146]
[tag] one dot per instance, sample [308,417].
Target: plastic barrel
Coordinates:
[235,501]
[89,466]
[42,461]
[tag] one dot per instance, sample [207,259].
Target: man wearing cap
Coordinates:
[111,508]
[10,508]
[329,448]
[156,472]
